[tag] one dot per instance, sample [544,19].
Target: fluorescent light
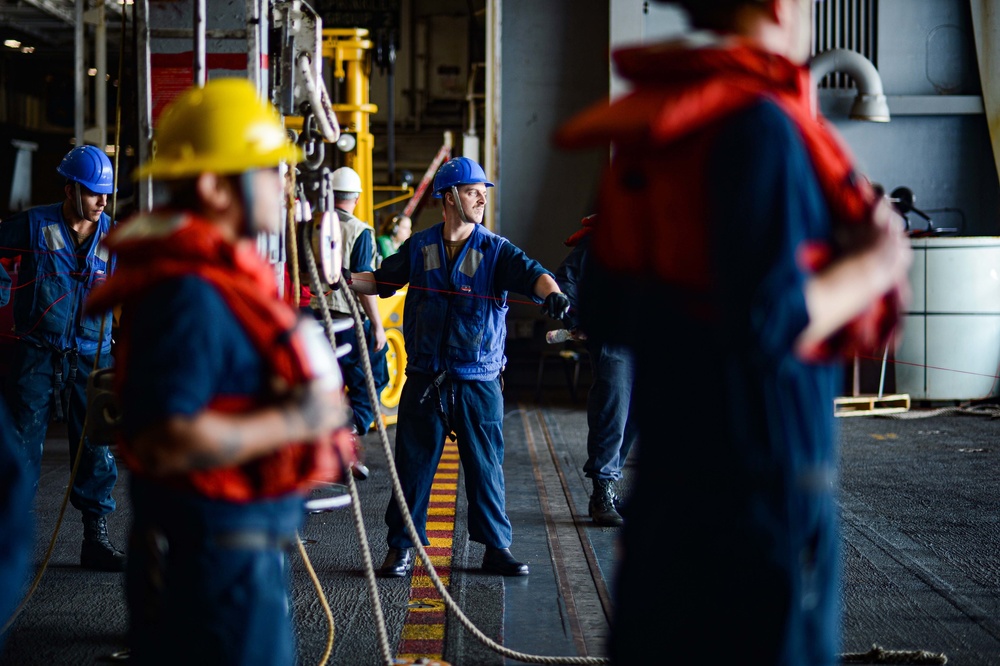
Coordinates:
[12,43]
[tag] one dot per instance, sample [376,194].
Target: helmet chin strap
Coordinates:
[250,229]
[458,204]
[79,199]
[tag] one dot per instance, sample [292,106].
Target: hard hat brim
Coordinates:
[167,168]
[224,127]
[438,195]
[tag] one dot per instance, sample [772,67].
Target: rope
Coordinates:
[292,241]
[359,525]
[322,599]
[320,101]
[879,655]
[411,529]
[968,409]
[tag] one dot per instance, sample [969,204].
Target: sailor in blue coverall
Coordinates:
[16,521]
[358,243]
[62,259]
[229,415]
[724,179]
[459,274]
[612,429]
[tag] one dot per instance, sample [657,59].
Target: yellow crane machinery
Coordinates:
[347,51]
[282,48]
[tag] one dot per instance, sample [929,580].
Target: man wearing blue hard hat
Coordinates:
[459,274]
[62,258]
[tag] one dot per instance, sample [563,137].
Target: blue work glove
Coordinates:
[556,305]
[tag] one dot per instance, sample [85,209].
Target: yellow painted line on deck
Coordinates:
[423,632]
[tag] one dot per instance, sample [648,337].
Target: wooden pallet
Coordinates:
[866,405]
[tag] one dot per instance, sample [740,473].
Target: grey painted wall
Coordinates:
[936,144]
[946,160]
[927,48]
[555,63]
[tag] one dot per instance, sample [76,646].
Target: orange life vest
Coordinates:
[662,132]
[154,248]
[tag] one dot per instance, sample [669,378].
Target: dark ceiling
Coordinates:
[47,26]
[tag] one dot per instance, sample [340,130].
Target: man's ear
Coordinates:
[773,8]
[214,191]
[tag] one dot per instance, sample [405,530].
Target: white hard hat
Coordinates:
[345,179]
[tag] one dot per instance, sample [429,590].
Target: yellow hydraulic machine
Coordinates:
[347,50]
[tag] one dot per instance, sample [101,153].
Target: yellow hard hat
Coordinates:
[223,127]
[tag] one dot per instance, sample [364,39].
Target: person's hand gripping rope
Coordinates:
[556,305]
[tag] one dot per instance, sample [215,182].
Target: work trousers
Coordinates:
[754,536]
[355,379]
[611,423]
[17,523]
[41,380]
[207,581]
[427,413]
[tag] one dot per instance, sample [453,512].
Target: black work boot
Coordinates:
[97,553]
[602,504]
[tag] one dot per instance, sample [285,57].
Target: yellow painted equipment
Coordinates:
[391,310]
[347,50]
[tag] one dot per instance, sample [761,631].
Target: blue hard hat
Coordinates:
[89,166]
[458,171]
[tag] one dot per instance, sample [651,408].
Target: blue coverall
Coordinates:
[355,379]
[612,428]
[454,332]
[202,574]
[57,344]
[16,523]
[733,532]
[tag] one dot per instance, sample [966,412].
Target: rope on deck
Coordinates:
[879,655]
[990,410]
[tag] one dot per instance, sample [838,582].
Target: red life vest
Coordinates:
[154,248]
[662,133]
[586,228]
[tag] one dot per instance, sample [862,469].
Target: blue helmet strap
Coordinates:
[458,204]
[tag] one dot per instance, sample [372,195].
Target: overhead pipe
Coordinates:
[200,73]
[870,103]
[470,140]
[101,77]
[78,72]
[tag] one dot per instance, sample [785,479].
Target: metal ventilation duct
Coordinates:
[846,24]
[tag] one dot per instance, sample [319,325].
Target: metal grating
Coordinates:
[846,24]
